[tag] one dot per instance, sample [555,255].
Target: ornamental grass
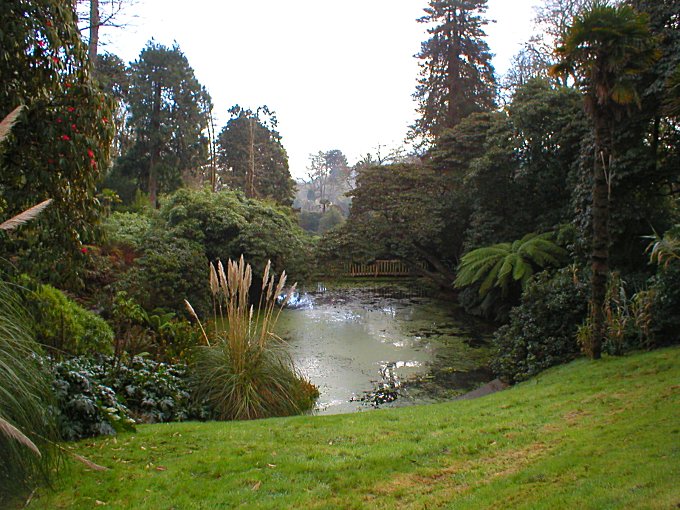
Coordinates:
[244,371]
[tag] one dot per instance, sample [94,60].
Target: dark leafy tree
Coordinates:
[60,145]
[167,107]
[401,211]
[456,76]
[606,48]
[252,157]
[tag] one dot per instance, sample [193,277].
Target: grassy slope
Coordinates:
[587,435]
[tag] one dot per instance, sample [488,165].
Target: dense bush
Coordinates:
[101,396]
[332,218]
[64,326]
[666,305]
[169,271]
[542,329]
[229,225]
[85,406]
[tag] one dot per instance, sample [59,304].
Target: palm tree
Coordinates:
[606,49]
[501,264]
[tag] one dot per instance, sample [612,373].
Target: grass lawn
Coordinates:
[594,435]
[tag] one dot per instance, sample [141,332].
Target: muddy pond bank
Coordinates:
[384,344]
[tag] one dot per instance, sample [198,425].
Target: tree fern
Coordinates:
[503,264]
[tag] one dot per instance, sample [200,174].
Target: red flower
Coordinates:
[66,138]
[41,44]
[83,249]
[90,153]
[48,23]
[59,120]
[70,108]
[74,127]
[55,60]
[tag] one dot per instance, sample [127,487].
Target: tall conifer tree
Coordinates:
[456,76]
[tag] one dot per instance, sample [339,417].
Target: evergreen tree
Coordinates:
[456,76]
[168,108]
[252,157]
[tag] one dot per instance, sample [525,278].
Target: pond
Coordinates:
[384,345]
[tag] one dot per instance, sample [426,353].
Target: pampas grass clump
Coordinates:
[27,430]
[244,371]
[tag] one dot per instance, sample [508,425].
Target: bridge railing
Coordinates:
[392,267]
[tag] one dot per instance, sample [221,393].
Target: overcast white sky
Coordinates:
[339,74]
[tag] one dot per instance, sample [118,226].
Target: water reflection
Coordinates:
[385,345]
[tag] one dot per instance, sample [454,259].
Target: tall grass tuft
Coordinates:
[244,371]
[27,429]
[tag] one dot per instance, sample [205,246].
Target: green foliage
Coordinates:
[252,157]
[64,326]
[60,147]
[309,221]
[102,396]
[502,264]
[403,211]
[85,406]
[229,225]
[456,76]
[666,305]
[24,400]
[157,332]
[168,109]
[244,371]
[170,270]
[331,219]
[128,228]
[542,329]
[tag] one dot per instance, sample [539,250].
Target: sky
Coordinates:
[338,74]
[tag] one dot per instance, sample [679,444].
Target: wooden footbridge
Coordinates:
[392,267]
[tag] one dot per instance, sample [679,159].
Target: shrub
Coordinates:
[64,326]
[332,218]
[665,323]
[102,396]
[169,271]
[85,406]
[542,329]
[154,391]
[245,372]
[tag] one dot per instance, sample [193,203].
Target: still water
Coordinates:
[384,345]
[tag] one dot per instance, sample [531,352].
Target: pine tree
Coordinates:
[168,109]
[456,76]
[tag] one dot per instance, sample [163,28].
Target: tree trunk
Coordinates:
[453,72]
[155,145]
[94,32]
[600,246]
[446,276]
[250,174]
